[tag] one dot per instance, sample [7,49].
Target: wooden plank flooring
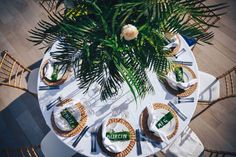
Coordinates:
[20,114]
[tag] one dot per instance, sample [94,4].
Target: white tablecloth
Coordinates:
[131,111]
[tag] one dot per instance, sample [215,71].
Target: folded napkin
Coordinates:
[61,122]
[153,119]
[49,70]
[171,79]
[108,144]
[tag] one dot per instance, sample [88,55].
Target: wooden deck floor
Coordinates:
[21,121]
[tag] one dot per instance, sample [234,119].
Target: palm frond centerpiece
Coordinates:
[111,42]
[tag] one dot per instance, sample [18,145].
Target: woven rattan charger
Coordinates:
[49,82]
[81,125]
[181,92]
[132,138]
[144,118]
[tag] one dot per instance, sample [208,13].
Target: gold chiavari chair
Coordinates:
[213,90]
[31,151]
[13,73]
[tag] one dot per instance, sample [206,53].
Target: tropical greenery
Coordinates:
[89,32]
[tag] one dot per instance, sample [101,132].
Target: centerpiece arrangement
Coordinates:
[116,41]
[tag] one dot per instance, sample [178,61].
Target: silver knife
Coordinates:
[94,142]
[180,52]
[80,136]
[138,139]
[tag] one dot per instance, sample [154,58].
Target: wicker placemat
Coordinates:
[132,138]
[144,118]
[49,82]
[81,125]
[181,92]
[177,48]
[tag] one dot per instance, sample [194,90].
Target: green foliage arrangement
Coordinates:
[115,41]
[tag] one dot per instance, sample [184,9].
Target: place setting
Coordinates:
[69,118]
[116,137]
[53,74]
[173,46]
[174,49]
[114,134]
[181,81]
[159,122]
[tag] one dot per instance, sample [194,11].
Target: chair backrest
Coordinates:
[211,153]
[12,72]
[227,84]
[31,151]
[227,89]
[52,146]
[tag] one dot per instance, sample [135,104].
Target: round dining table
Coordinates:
[121,106]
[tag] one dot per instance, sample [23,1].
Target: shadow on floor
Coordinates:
[22,123]
[35,65]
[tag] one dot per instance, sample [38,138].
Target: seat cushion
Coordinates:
[209,87]
[186,145]
[51,146]
[32,81]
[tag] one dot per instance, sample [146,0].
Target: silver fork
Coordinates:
[185,100]
[60,99]
[53,103]
[94,139]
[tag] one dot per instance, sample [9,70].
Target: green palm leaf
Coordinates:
[89,38]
